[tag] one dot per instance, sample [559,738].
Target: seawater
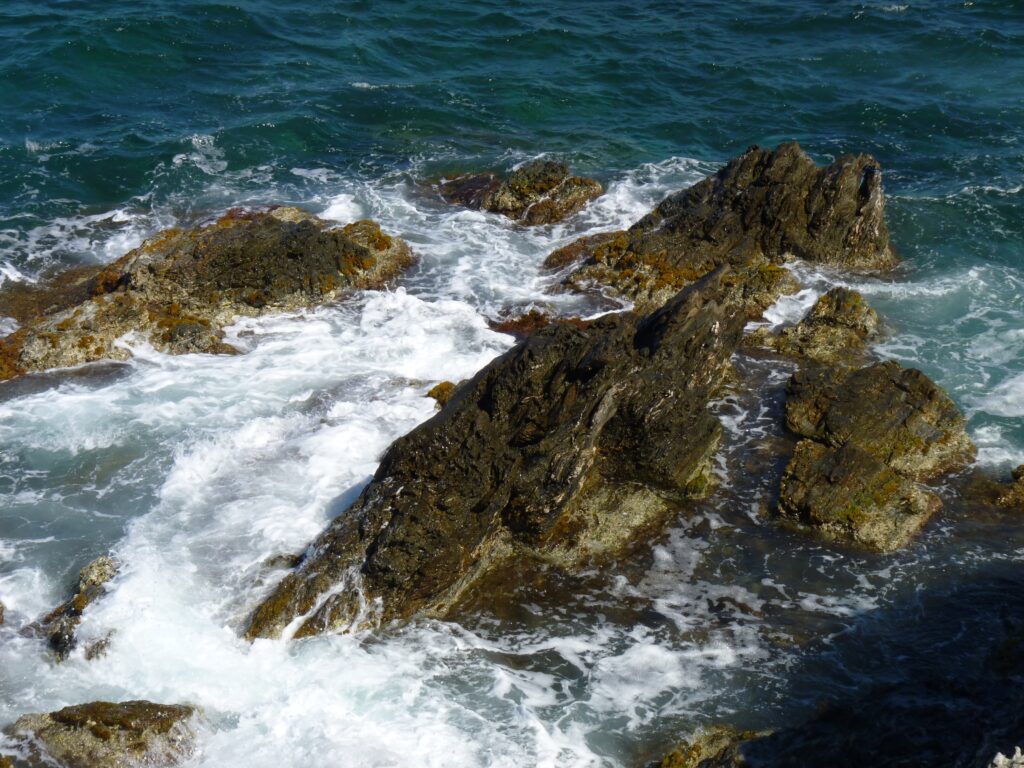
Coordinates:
[117,121]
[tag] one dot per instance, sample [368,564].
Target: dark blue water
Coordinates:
[117,119]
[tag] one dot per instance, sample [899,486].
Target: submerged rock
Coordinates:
[58,626]
[1012,497]
[559,451]
[761,207]
[871,434]
[835,330]
[537,192]
[123,735]
[181,287]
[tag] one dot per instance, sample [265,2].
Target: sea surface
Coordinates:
[119,119]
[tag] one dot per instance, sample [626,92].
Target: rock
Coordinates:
[537,192]
[523,326]
[1,614]
[718,747]
[442,392]
[871,434]
[835,331]
[101,733]
[58,626]
[1012,498]
[181,287]
[558,452]
[847,494]
[762,206]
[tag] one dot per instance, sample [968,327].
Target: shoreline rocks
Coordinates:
[58,627]
[869,436]
[760,208]
[557,452]
[101,733]
[537,192]
[182,287]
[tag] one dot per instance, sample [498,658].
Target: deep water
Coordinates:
[118,119]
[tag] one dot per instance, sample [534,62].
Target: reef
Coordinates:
[180,288]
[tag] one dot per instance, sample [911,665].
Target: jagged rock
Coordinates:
[834,331]
[762,206]
[718,747]
[124,735]
[559,451]
[872,433]
[442,392]
[847,494]
[58,626]
[181,287]
[538,192]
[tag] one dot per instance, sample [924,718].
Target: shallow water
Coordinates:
[193,470]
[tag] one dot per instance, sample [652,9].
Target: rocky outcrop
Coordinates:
[761,207]
[871,434]
[58,627]
[718,747]
[537,192]
[124,735]
[1012,497]
[835,331]
[181,287]
[557,452]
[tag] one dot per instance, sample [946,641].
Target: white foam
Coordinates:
[342,208]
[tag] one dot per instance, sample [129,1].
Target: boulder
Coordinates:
[871,434]
[58,627]
[1012,497]
[123,735]
[558,452]
[181,287]
[761,207]
[441,392]
[718,747]
[537,192]
[835,331]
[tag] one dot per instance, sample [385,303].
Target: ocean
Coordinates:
[120,119]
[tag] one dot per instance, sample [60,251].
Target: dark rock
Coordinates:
[559,451]
[100,733]
[1012,497]
[835,331]
[873,432]
[762,206]
[58,626]
[538,192]
[180,288]
[1,614]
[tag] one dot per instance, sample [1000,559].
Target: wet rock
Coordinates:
[847,494]
[537,192]
[58,627]
[442,392]
[835,331]
[181,287]
[1,614]
[525,325]
[100,733]
[719,747]
[871,434]
[763,206]
[1013,497]
[560,451]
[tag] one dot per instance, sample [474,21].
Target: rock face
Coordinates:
[559,451]
[180,288]
[835,331]
[538,192]
[871,434]
[58,626]
[123,735]
[762,206]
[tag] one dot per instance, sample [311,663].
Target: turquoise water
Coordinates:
[117,119]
